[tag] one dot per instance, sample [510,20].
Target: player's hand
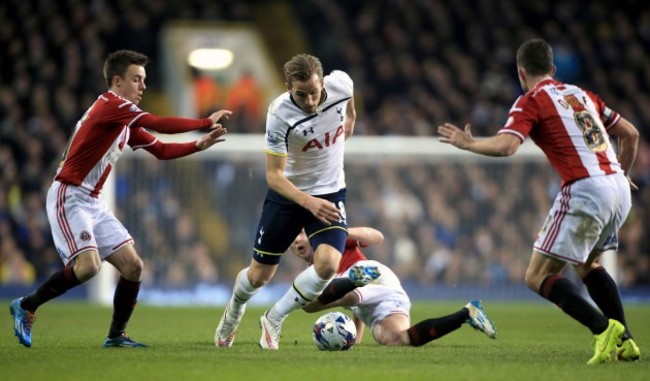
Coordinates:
[324,210]
[450,133]
[211,138]
[218,115]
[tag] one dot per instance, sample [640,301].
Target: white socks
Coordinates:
[242,291]
[306,287]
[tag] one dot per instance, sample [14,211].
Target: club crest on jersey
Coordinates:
[327,140]
[134,108]
[85,236]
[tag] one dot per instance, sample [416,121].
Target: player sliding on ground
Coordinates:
[374,294]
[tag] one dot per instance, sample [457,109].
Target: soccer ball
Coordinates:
[334,331]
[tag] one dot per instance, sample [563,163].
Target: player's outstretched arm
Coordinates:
[360,325]
[176,125]
[365,235]
[211,138]
[169,151]
[216,116]
[497,145]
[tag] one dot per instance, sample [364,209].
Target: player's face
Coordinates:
[132,86]
[301,247]
[307,94]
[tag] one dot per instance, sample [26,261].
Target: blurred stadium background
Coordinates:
[455,226]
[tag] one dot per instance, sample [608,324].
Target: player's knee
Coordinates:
[389,335]
[258,282]
[326,270]
[86,270]
[532,279]
[133,271]
[390,338]
[326,273]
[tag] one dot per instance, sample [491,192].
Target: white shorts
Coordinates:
[381,298]
[80,222]
[586,215]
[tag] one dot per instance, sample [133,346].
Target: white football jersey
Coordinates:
[313,143]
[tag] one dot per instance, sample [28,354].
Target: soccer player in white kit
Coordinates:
[374,294]
[306,129]
[572,126]
[85,231]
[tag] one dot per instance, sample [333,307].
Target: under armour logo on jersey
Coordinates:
[308,131]
[339,110]
[259,240]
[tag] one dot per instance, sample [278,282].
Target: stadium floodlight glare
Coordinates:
[210,59]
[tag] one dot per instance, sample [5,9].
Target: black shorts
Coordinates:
[282,220]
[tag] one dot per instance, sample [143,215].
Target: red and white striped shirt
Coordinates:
[351,255]
[106,128]
[570,125]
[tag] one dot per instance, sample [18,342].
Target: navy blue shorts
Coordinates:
[282,220]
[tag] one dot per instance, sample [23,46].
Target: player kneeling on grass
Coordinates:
[375,296]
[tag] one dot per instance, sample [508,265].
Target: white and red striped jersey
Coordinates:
[313,143]
[351,255]
[99,140]
[570,125]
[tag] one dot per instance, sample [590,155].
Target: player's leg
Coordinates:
[310,283]
[435,328]
[393,330]
[604,293]
[364,272]
[72,226]
[479,320]
[130,266]
[23,309]
[346,300]
[247,284]
[600,285]
[543,275]
[573,229]
[360,274]
[279,224]
[305,288]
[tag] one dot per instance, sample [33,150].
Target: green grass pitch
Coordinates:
[535,341]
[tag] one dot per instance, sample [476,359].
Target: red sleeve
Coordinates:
[172,125]
[353,243]
[521,118]
[168,151]
[140,138]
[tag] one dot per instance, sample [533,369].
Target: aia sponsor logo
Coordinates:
[323,141]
